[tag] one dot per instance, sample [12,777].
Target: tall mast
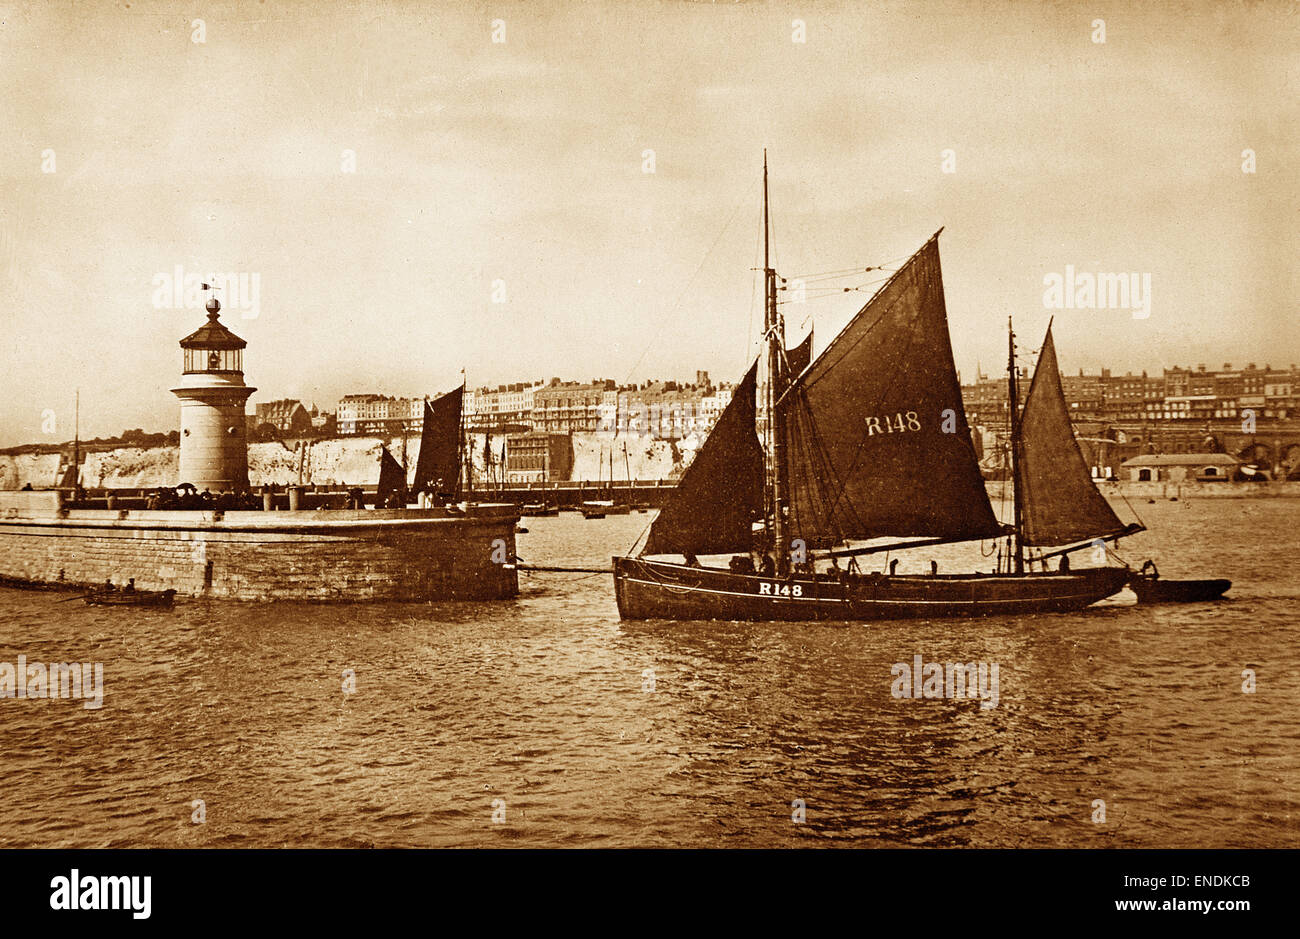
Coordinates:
[1013,392]
[466,456]
[773,331]
[76,442]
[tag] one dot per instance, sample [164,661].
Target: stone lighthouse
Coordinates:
[214,449]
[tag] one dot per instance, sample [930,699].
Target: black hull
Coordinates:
[537,511]
[133,598]
[1178,591]
[662,590]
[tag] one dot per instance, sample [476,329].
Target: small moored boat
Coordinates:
[602,507]
[1151,588]
[158,598]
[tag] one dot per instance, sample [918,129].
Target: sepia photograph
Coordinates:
[649,426]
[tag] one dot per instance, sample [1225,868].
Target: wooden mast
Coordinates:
[76,444]
[772,330]
[466,456]
[1013,393]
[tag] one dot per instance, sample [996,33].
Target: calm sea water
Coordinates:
[587,731]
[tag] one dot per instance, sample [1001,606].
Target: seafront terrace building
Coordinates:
[374,414]
[665,410]
[500,408]
[1250,413]
[1177,395]
[569,407]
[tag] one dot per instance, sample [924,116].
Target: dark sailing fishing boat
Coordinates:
[870,441]
[437,468]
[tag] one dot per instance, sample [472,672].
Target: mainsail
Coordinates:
[437,469]
[721,493]
[876,438]
[1059,502]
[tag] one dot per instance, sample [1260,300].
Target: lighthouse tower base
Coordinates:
[214,444]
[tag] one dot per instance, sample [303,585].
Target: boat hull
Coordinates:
[647,589]
[131,598]
[1151,590]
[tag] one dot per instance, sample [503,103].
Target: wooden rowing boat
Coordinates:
[1157,590]
[154,598]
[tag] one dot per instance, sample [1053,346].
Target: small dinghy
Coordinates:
[156,598]
[1151,588]
[602,507]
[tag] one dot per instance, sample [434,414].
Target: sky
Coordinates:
[414,198]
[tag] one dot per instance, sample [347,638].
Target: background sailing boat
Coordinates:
[437,467]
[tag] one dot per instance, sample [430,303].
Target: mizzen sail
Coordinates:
[1059,502]
[720,495]
[876,437]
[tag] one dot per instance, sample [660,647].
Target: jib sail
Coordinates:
[720,495]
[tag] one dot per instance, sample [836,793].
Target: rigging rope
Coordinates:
[672,310]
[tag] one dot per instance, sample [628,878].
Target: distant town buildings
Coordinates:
[1250,413]
[568,407]
[1178,394]
[1179,397]
[538,457]
[666,410]
[286,416]
[382,415]
[1182,410]
[500,408]
[1181,467]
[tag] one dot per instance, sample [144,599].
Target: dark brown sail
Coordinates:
[876,437]
[437,469]
[1060,503]
[798,357]
[392,478]
[721,493]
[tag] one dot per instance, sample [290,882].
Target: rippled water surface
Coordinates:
[546,704]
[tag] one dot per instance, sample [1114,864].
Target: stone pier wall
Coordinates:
[337,556]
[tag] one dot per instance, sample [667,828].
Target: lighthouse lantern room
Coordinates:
[214,448]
